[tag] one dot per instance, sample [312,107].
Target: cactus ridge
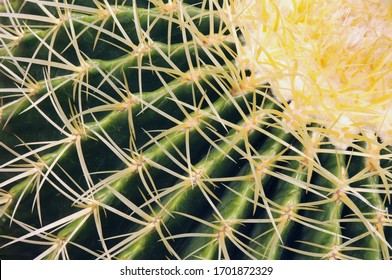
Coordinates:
[133,130]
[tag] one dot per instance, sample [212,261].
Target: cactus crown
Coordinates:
[330,59]
[214,129]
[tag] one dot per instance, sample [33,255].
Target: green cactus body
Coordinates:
[138,130]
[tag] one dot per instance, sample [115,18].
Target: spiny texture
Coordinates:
[174,129]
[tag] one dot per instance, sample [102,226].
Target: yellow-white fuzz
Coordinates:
[330,60]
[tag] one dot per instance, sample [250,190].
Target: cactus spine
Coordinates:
[193,130]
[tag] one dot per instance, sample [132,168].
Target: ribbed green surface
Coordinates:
[127,131]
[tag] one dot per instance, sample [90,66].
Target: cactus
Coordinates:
[205,129]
